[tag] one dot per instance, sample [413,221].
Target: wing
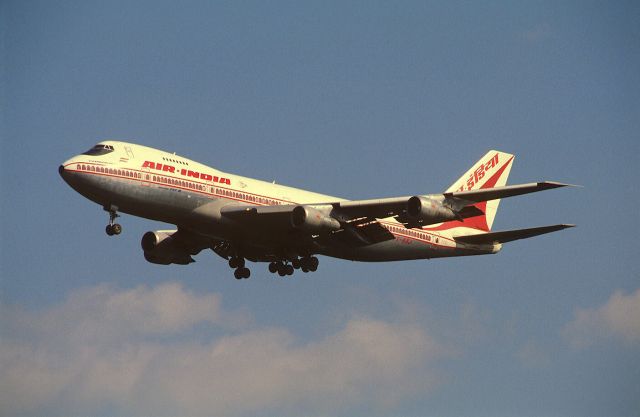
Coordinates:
[486,194]
[510,235]
[302,223]
[357,221]
[419,211]
[388,207]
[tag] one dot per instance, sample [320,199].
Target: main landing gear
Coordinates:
[113,228]
[237,263]
[282,267]
[306,264]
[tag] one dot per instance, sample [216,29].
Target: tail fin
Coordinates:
[492,170]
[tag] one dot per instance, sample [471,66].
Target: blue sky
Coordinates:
[358,100]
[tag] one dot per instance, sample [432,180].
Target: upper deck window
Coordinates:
[99,150]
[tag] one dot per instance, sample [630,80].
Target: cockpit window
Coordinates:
[99,150]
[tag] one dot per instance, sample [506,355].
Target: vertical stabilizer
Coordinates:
[492,170]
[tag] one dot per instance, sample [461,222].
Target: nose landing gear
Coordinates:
[113,228]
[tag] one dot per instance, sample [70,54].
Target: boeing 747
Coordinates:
[243,219]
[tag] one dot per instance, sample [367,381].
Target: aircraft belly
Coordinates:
[201,214]
[396,250]
[129,196]
[191,210]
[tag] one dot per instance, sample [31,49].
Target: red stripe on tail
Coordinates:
[477,222]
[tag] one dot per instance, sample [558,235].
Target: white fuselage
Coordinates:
[162,186]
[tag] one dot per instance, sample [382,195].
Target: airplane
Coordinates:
[243,219]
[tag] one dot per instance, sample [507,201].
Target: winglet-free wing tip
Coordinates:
[556,184]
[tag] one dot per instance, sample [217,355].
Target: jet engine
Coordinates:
[425,211]
[160,247]
[313,221]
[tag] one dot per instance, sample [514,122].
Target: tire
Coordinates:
[237,273]
[273,267]
[109,230]
[313,263]
[116,229]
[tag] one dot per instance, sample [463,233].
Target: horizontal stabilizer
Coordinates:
[510,235]
[487,194]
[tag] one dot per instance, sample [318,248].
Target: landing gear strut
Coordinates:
[113,228]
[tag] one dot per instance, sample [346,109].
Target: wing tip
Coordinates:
[556,184]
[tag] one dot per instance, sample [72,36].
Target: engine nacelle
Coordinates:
[160,248]
[427,211]
[313,221]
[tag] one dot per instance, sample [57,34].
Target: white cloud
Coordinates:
[532,355]
[619,318]
[106,314]
[143,352]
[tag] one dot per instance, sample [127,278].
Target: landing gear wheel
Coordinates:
[309,263]
[295,263]
[289,269]
[236,262]
[241,273]
[113,228]
[273,267]
[313,263]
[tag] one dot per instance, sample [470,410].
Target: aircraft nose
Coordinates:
[63,172]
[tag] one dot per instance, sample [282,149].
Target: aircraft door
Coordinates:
[146,177]
[129,152]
